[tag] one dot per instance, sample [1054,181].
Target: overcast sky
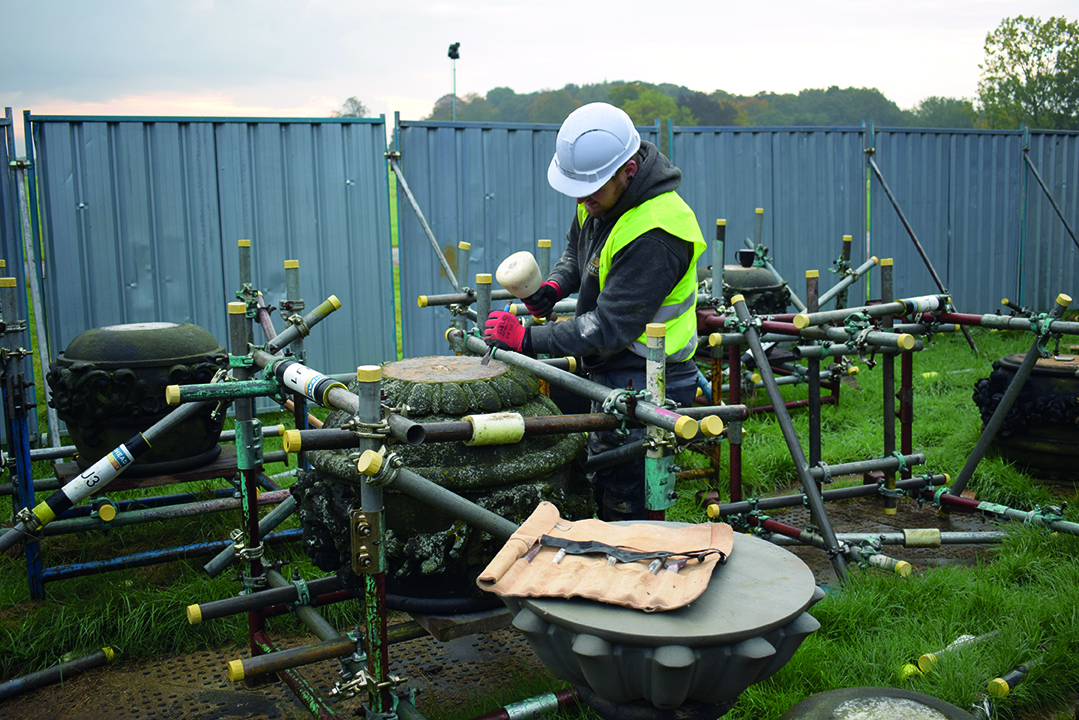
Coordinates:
[303,58]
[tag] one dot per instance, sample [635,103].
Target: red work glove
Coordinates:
[541,303]
[504,331]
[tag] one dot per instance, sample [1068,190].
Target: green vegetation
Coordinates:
[1030,76]
[870,627]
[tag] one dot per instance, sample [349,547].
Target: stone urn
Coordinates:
[430,554]
[1041,430]
[109,384]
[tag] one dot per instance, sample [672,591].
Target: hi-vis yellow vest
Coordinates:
[670,213]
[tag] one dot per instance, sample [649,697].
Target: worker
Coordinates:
[631,257]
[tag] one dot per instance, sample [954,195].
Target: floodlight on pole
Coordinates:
[454,54]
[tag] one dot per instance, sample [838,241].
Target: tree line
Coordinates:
[1030,76]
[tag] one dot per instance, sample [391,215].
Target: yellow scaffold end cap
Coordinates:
[756,378]
[1064,300]
[370,463]
[902,568]
[926,662]
[801,321]
[906,341]
[738,298]
[243,243]
[760,211]
[848,238]
[292,264]
[711,426]
[194,614]
[483,278]
[421,301]
[572,363]
[332,300]
[999,687]
[812,273]
[853,370]
[875,259]
[237,308]
[107,512]
[369,373]
[721,221]
[110,654]
[712,510]
[887,262]
[8,282]
[655,330]
[909,670]
[172,395]
[464,245]
[685,428]
[291,441]
[715,339]
[236,670]
[543,243]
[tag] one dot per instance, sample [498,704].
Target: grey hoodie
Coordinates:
[642,274]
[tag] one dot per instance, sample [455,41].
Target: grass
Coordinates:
[870,628]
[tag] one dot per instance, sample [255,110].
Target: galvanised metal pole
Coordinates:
[464,250]
[659,480]
[203,612]
[683,427]
[809,486]
[847,493]
[268,524]
[734,430]
[812,279]
[1045,189]
[483,300]
[8,538]
[843,266]
[1006,402]
[56,673]
[1046,517]
[913,237]
[368,548]
[294,305]
[717,261]
[888,382]
[461,298]
[154,557]
[248,462]
[385,472]
[906,306]
[1003,322]
[849,279]
[299,330]
[912,538]
[403,185]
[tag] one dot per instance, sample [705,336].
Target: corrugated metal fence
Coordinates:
[141,218]
[141,215]
[984,223]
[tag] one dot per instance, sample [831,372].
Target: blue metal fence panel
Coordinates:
[985,213]
[808,181]
[142,217]
[1051,258]
[481,183]
[916,166]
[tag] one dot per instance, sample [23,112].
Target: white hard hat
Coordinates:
[593,142]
